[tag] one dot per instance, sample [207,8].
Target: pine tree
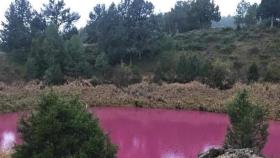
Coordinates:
[269,9]
[76,64]
[249,124]
[47,57]
[125,32]
[61,127]
[16,32]
[241,11]
[56,13]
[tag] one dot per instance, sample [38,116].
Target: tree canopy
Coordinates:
[269,9]
[246,14]
[56,13]
[125,32]
[189,15]
[16,32]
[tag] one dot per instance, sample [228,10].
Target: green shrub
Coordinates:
[248,124]
[125,75]
[253,73]
[227,48]
[62,128]
[102,63]
[272,73]
[189,68]
[195,46]
[164,70]
[54,75]
[219,76]
[9,71]
[75,64]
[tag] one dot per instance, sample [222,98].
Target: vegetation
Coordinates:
[16,35]
[273,73]
[246,14]
[253,73]
[248,124]
[190,15]
[190,96]
[269,9]
[62,127]
[190,68]
[127,43]
[130,33]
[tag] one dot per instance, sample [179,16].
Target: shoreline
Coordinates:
[192,96]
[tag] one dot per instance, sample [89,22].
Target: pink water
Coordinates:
[148,133]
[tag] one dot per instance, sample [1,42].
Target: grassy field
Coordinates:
[191,96]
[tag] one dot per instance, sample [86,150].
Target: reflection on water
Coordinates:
[173,154]
[150,133]
[8,139]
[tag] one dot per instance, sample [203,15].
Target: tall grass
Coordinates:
[190,96]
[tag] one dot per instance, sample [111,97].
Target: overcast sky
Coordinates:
[85,6]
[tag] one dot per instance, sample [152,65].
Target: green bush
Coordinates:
[272,73]
[253,73]
[125,75]
[195,46]
[75,64]
[227,48]
[102,63]
[54,75]
[219,76]
[189,68]
[62,128]
[165,68]
[248,124]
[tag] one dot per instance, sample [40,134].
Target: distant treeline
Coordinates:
[52,49]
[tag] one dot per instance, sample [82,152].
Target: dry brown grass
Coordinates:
[191,96]
[4,155]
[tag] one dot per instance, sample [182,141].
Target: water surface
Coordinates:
[155,133]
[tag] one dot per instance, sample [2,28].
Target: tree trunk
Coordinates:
[272,22]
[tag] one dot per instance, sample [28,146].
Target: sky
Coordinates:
[227,7]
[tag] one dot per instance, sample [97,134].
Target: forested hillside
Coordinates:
[127,43]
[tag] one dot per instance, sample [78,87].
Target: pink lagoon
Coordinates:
[155,133]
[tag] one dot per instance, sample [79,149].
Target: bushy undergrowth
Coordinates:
[253,73]
[60,128]
[125,75]
[272,73]
[9,71]
[237,49]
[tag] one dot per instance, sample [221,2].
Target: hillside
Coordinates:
[237,49]
[245,46]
